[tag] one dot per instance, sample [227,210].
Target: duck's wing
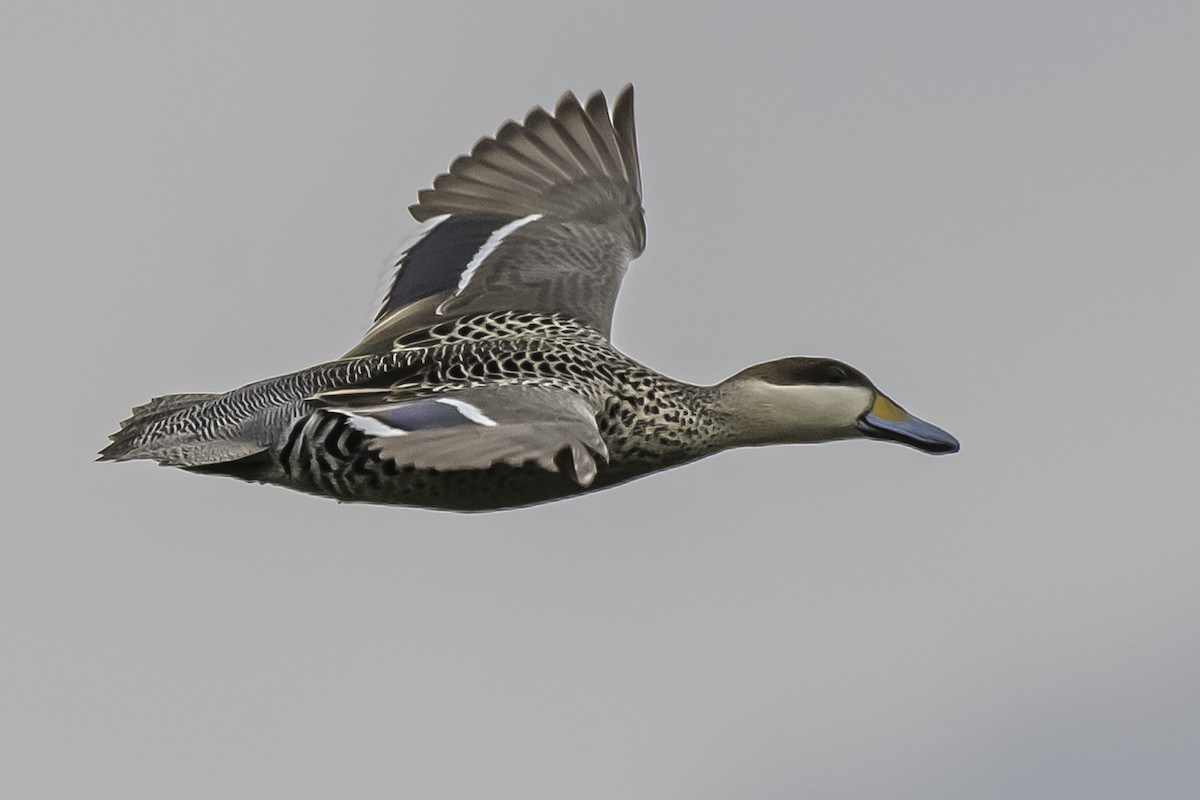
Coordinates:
[472,429]
[545,217]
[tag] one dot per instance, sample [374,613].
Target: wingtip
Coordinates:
[536,115]
[567,100]
[510,174]
[624,101]
[596,101]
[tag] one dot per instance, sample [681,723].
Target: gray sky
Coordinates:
[992,211]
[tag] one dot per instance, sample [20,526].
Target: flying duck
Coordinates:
[488,380]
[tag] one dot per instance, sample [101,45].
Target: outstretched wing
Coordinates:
[478,427]
[543,217]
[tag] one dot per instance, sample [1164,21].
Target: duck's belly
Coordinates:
[500,486]
[497,487]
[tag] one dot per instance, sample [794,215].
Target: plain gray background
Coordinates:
[990,208]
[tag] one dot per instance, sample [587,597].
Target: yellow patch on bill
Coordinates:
[886,409]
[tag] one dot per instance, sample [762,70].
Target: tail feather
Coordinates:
[165,404]
[167,430]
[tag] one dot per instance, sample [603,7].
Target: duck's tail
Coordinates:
[177,430]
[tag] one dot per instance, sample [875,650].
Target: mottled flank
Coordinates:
[487,380]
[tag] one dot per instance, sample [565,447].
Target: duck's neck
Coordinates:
[739,419]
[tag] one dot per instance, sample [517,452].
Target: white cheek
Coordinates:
[804,413]
[828,406]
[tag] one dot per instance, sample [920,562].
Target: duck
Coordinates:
[488,379]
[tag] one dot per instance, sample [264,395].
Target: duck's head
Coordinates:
[805,400]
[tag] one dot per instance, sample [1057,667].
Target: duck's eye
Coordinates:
[834,373]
